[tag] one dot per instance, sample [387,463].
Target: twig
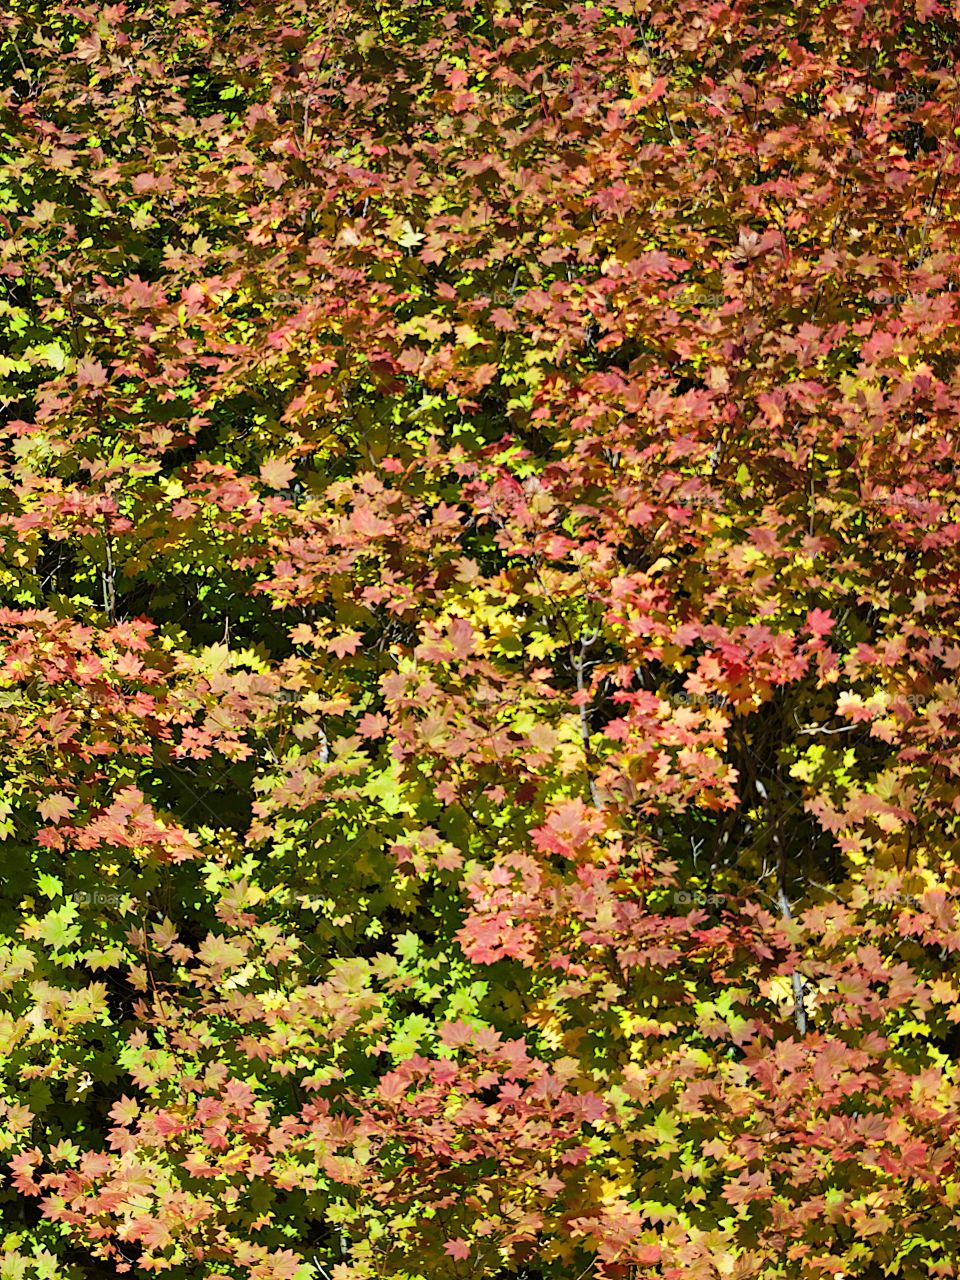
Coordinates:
[585,642]
[799,1007]
[847,728]
[109,586]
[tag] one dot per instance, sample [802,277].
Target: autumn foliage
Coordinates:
[479,647]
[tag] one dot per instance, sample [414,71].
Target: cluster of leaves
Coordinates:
[479,640]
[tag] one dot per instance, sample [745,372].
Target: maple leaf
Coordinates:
[751,246]
[88,48]
[455,1034]
[346,642]
[54,808]
[139,293]
[22,1167]
[277,473]
[125,1111]
[150,1231]
[820,622]
[217,954]
[90,373]
[372,725]
[239,1093]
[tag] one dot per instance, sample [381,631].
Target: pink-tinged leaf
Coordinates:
[56,807]
[345,643]
[277,473]
[90,373]
[125,1111]
[820,622]
[456,1034]
[372,726]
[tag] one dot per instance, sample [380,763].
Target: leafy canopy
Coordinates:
[479,640]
